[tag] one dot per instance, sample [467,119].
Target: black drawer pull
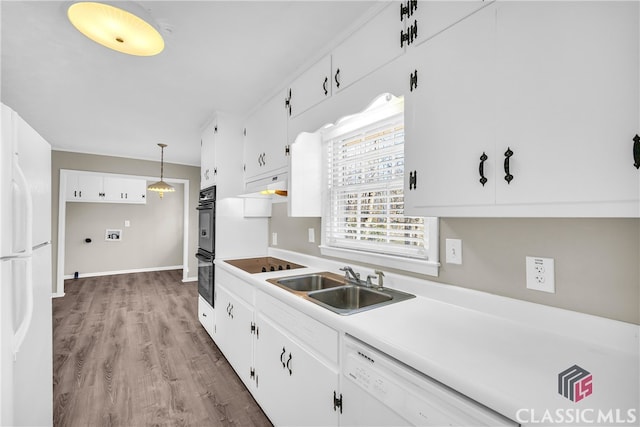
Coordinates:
[507,155]
[483,179]
[636,151]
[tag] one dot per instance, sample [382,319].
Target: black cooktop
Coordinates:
[263,264]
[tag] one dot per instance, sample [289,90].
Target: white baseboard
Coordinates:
[57,295]
[136,270]
[190,279]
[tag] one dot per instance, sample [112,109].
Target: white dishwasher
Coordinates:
[378,390]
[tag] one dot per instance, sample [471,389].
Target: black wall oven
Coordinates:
[206,243]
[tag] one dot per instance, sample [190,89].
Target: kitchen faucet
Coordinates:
[355,277]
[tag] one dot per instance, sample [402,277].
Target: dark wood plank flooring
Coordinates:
[129,351]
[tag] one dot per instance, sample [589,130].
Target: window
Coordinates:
[364,208]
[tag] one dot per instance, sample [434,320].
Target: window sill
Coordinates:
[428,268]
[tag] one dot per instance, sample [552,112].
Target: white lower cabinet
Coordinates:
[291,364]
[234,317]
[294,386]
[206,315]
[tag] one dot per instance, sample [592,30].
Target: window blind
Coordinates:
[366,200]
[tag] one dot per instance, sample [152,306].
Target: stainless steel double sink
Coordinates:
[332,292]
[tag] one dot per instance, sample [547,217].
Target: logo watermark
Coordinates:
[575,383]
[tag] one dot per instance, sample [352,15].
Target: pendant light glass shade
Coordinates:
[116,28]
[161,187]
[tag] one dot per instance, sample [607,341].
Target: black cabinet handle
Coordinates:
[336,78]
[636,151]
[507,155]
[281,357]
[483,158]
[288,362]
[204,314]
[324,86]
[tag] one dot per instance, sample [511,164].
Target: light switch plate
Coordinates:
[454,251]
[540,274]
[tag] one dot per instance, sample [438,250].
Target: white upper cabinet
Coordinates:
[547,93]
[312,87]
[367,49]
[450,117]
[221,156]
[424,19]
[125,190]
[265,142]
[104,188]
[84,188]
[568,102]
[208,171]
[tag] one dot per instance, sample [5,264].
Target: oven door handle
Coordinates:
[204,258]
[205,207]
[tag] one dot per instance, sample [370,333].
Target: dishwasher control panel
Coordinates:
[410,395]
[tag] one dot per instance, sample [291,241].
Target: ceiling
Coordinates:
[219,56]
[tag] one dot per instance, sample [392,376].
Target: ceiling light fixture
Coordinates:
[116,28]
[161,187]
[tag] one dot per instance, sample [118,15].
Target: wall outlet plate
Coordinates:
[312,235]
[454,251]
[540,274]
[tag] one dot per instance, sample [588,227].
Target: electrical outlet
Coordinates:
[274,239]
[454,251]
[312,235]
[540,274]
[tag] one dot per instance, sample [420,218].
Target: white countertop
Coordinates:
[501,352]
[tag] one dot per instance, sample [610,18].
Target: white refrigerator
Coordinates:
[26,359]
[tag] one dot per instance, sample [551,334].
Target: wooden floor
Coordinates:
[129,351]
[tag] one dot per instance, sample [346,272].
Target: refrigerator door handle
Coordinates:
[25,323]
[23,185]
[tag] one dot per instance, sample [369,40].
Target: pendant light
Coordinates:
[161,187]
[118,29]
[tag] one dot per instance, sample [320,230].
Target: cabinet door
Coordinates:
[431,17]
[91,188]
[449,117]
[265,140]
[371,46]
[311,88]
[124,190]
[568,101]
[73,188]
[206,315]
[293,386]
[227,171]
[208,169]
[233,336]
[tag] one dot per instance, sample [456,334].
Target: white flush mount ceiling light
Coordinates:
[116,28]
[161,187]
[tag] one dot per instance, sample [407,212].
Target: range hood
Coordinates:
[272,187]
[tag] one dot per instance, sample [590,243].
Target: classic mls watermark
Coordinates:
[576,383]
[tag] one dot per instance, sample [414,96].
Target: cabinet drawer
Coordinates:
[237,286]
[205,315]
[321,338]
